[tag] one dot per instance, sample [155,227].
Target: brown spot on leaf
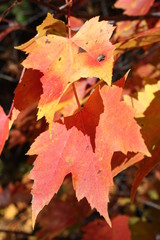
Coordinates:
[99,171]
[101,58]
[59,59]
[47,41]
[81,50]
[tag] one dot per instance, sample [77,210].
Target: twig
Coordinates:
[69,3]
[119,18]
[6,12]
[6,77]
[69,14]
[62,10]
[46,4]
[149,203]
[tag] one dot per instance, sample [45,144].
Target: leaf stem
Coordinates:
[69,3]
[76,96]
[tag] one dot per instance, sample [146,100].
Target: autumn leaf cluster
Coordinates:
[87,126]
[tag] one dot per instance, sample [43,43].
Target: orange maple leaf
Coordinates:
[62,60]
[83,144]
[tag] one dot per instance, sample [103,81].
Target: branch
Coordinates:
[119,18]
[8,9]
[46,4]
[60,11]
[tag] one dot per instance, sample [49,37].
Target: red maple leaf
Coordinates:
[28,90]
[4,128]
[135,7]
[83,144]
[98,229]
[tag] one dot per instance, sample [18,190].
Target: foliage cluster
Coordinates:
[80,114]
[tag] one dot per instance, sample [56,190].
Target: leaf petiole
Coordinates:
[76,96]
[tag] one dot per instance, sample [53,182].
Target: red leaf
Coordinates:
[99,230]
[83,144]
[4,128]
[61,214]
[135,7]
[76,23]
[28,90]
[120,161]
[55,218]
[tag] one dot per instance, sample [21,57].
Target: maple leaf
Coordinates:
[89,53]
[6,122]
[140,40]
[75,23]
[83,144]
[28,90]
[50,25]
[150,128]
[125,30]
[98,229]
[66,210]
[4,128]
[120,162]
[134,7]
[146,110]
[59,210]
[68,104]
[143,100]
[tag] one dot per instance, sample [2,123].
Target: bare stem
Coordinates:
[7,11]
[69,14]
[119,18]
